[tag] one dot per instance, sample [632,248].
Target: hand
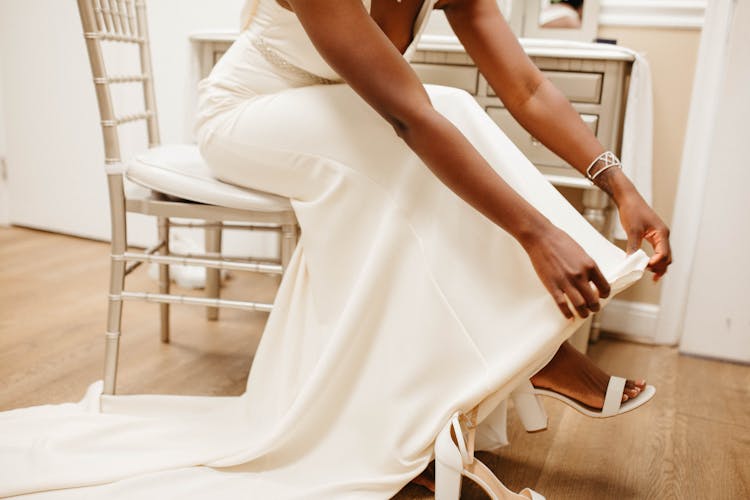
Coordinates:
[566,270]
[641,222]
[638,219]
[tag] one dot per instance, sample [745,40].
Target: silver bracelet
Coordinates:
[610,160]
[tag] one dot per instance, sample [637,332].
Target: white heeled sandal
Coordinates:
[454,458]
[534,418]
[613,404]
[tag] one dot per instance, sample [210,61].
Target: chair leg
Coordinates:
[288,243]
[164,278]
[114,322]
[116,282]
[213,276]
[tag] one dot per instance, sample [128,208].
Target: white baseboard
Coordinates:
[630,320]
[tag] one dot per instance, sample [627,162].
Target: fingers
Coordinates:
[562,303]
[662,257]
[572,296]
[582,290]
[582,304]
[601,283]
[586,288]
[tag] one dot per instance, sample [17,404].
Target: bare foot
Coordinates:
[573,374]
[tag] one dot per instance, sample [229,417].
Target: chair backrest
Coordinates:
[119,22]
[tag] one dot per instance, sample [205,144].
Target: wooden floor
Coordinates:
[691,442]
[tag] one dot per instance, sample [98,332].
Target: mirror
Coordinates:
[561,19]
[564,14]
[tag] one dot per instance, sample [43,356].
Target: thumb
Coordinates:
[634,242]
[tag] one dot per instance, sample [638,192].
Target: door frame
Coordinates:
[709,79]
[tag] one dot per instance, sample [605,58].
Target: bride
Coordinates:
[437,273]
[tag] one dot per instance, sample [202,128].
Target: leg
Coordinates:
[213,276]
[287,243]
[164,279]
[116,281]
[595,206]
[575,375]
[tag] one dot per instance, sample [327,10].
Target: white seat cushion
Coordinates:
[179,170]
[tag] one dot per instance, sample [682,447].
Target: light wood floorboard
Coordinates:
[691,442]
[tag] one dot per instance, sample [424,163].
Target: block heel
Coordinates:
[529,408]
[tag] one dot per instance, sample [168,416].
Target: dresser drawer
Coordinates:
[462,77]
[577,87]
[531,148]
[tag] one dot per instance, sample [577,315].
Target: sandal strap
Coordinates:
[460,441]
[613,398]
[465,440]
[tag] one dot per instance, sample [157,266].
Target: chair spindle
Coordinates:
[100,24]
[114,8]
[125,17]
[103,7]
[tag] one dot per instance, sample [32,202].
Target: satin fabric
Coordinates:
[401,305]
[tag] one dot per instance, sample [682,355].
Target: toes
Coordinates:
[640,384]
[632,392]
[631,389]
[624,397]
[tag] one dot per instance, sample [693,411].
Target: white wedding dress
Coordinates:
[401,305]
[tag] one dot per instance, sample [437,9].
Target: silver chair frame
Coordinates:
[124,21]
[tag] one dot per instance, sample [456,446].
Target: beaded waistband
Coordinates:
[274,58]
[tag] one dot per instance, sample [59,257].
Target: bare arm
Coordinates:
[545,112]
[530,97]
[334,27]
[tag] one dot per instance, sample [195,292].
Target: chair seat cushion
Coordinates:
[179,170]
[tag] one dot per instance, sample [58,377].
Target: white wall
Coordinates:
[170,23]
[53,142]
[54,147]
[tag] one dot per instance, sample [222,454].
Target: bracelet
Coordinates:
[609,159]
